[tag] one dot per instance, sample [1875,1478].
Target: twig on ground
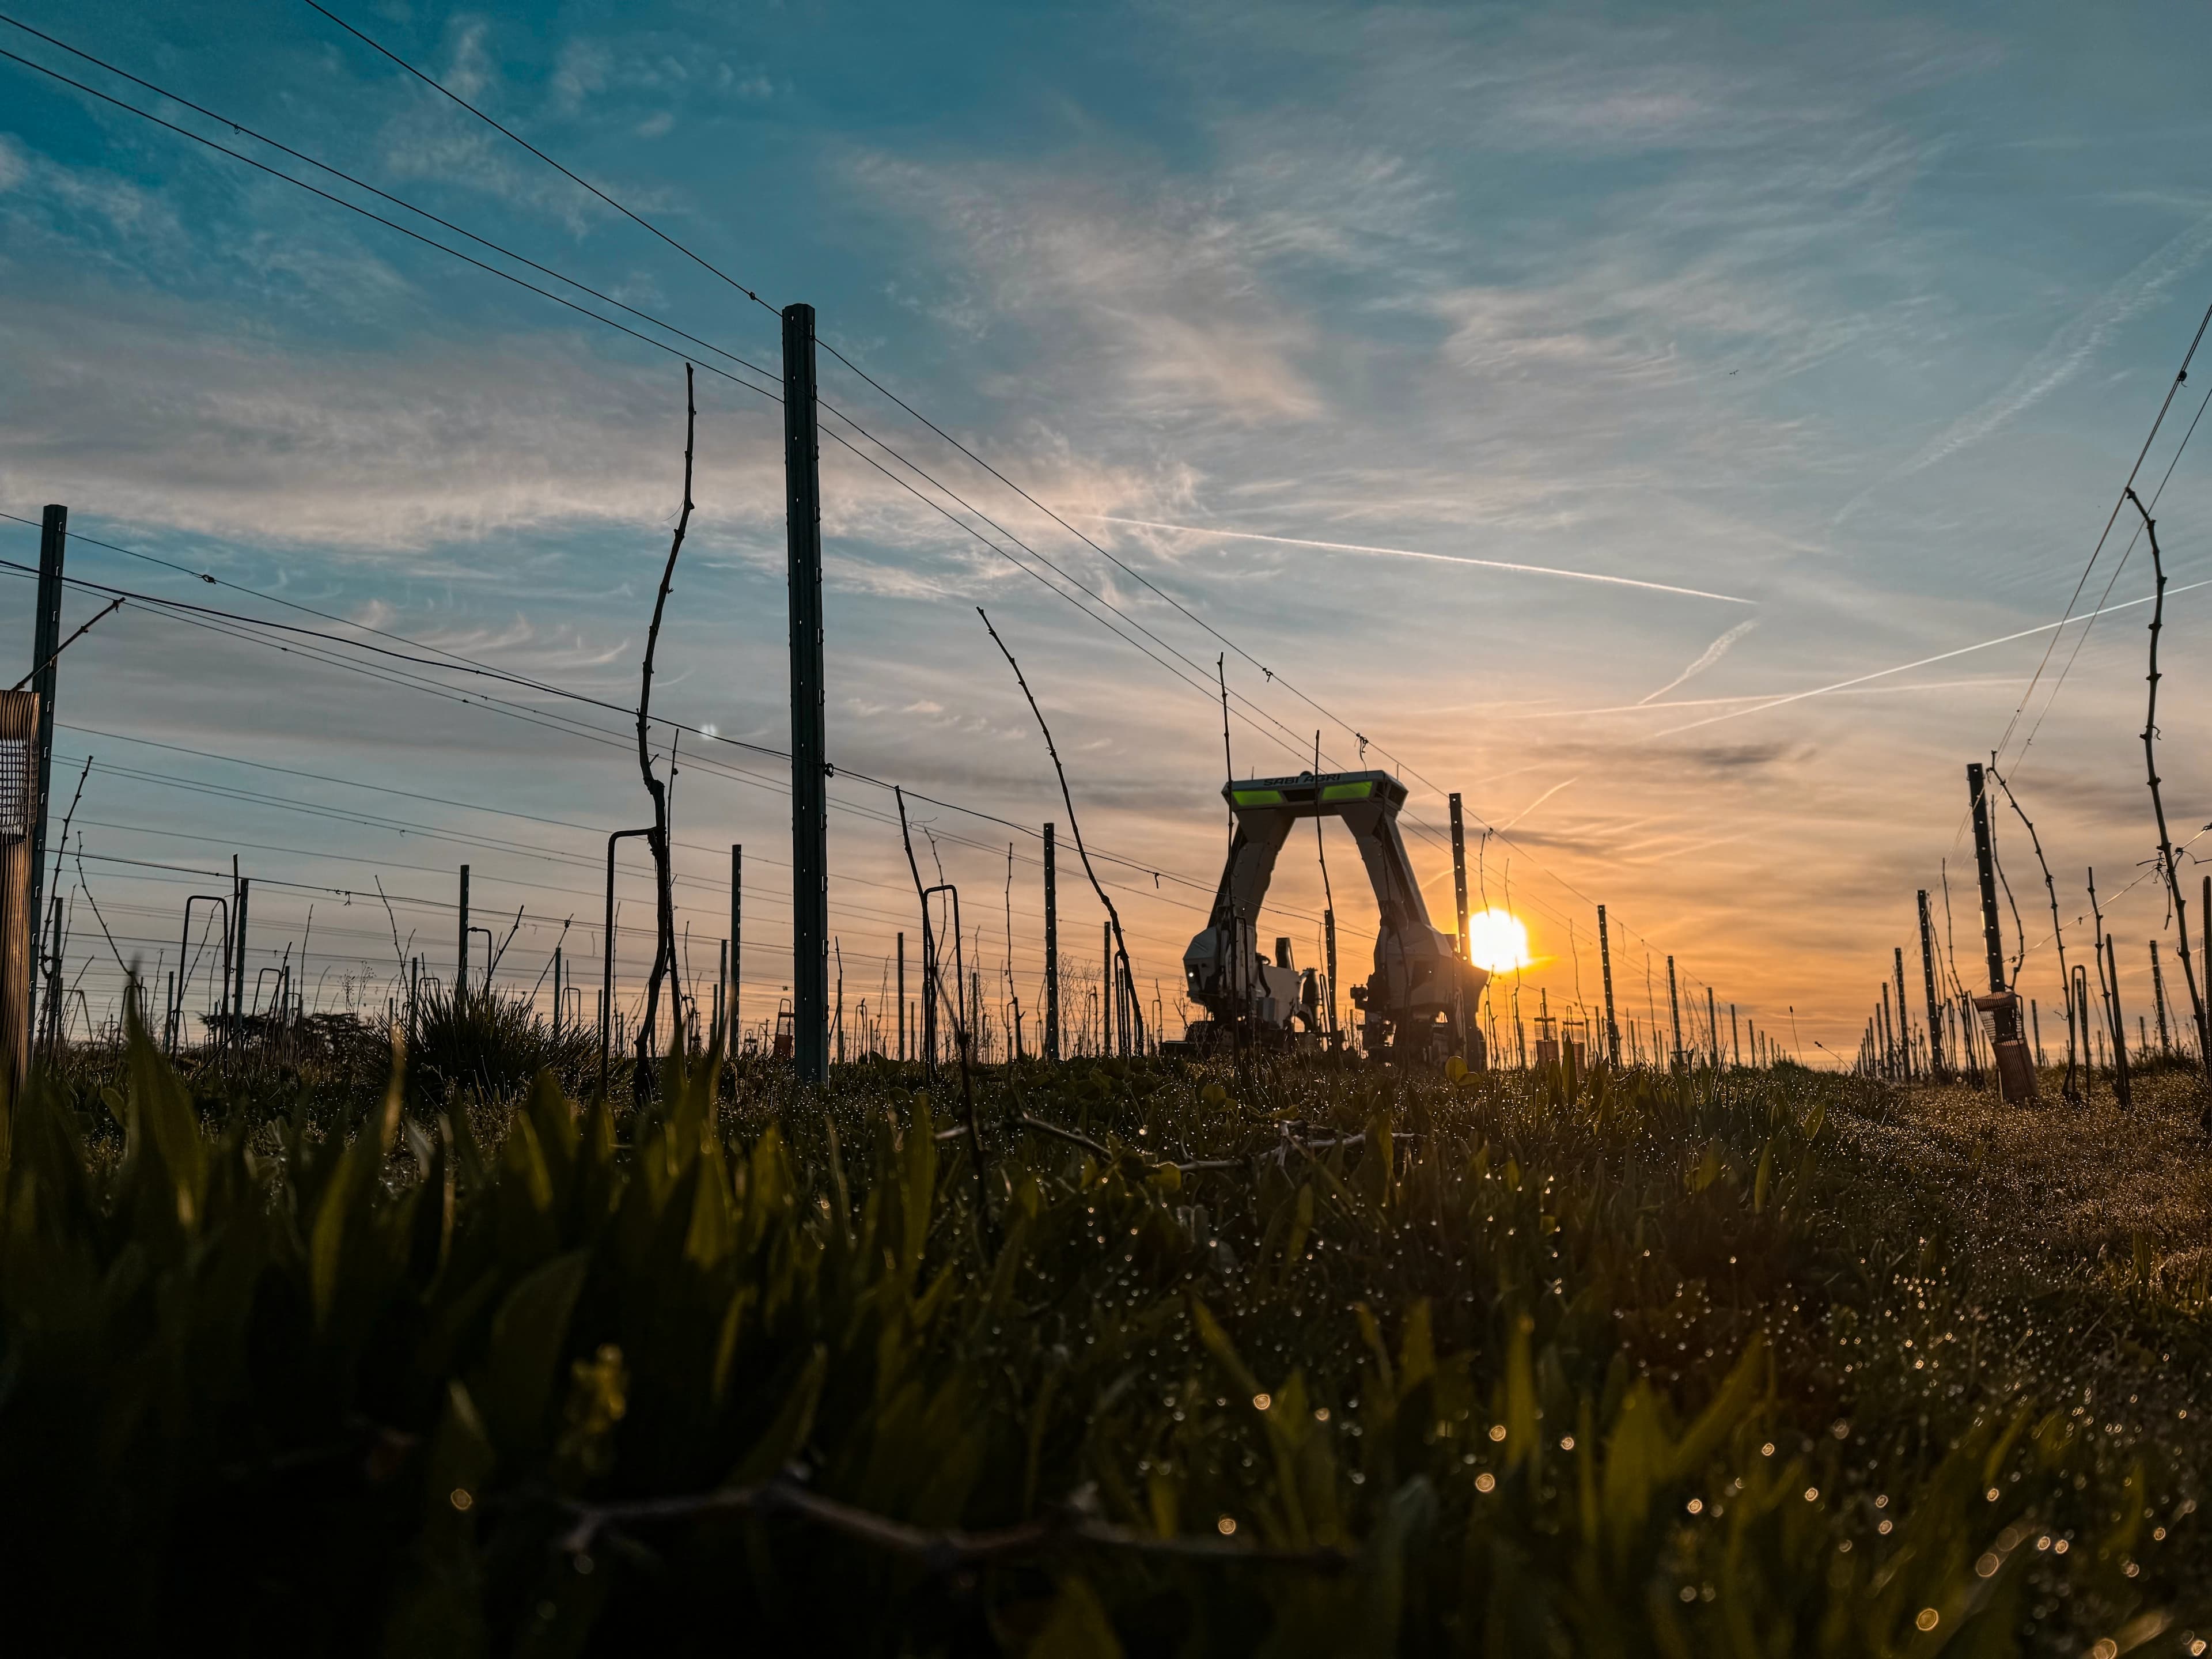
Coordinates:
[1073,1522]
[1277,1153]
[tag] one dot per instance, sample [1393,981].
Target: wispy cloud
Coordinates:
[1148,289]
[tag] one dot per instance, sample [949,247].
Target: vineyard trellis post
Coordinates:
[1903,1021]
[730,993]
[1936,1065]
[1674,1008]
[461,960]
[2016,1071]
[809,793]
[2124,1082]
[1459,902]
[1328,953]
[2158,1003]
[1051,949]
[607,959]
[737,943]
[1605,970]
[2057,927]
[244,886]
[2078,1016]
[2108,990]
[45,641]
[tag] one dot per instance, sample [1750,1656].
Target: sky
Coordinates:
[1679,430]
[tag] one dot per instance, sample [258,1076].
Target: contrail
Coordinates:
[1752,697]
[1941,656]
[1415,553]
[2072,346]
[1714,653]
[1534,804]
[2061,357]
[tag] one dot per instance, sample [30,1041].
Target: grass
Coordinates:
[1739,1363]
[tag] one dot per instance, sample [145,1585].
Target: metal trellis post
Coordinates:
[45,642]
[810,796]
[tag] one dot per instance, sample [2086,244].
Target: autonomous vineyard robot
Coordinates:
[1421,993]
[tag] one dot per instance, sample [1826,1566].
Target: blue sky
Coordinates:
[1854,318]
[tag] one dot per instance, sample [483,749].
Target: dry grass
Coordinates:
[2064,1189]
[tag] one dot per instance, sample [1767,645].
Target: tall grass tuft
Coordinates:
[494,1043]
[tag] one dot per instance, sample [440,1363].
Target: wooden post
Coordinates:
[2122,1082]
[20,724]
[1459,903]
[1329,949]
[51,1019]
[2158,1001]
[732,999]
[238,961]
[1927,973]
[1674,1006]
[1904,1022]
[901,996]
[607,1020]
[1051,953]
[1605,967]
[1109,993]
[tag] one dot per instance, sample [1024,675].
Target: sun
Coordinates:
[1497,940]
